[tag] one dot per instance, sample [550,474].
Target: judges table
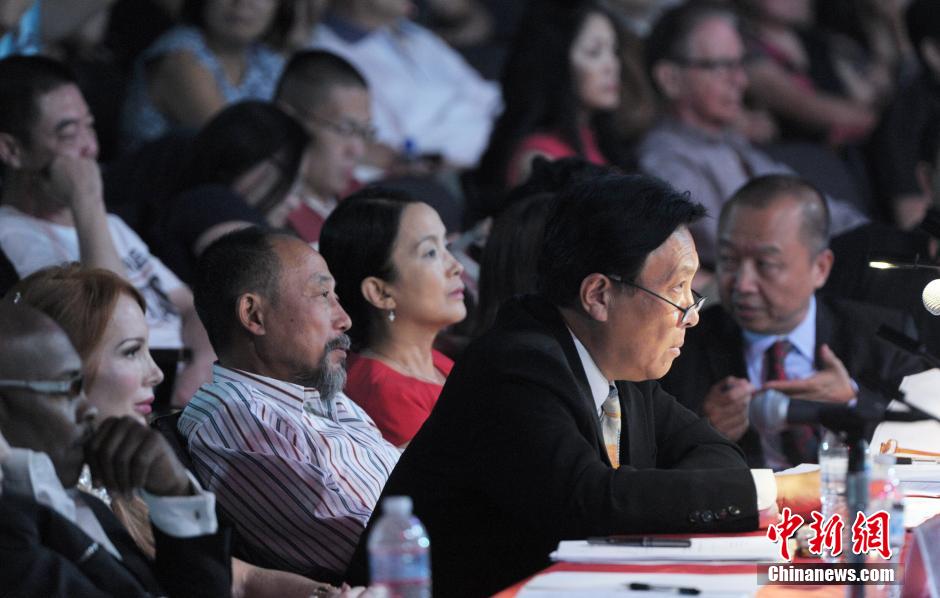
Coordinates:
[701,568]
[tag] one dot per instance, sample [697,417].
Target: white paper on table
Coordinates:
[560,584]
[923,391]
[799,469]
[918,472]
[918,509]
[734,548]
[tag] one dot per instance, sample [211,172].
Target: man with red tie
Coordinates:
[772,332]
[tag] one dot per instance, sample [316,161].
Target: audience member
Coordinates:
[295,463]
[331,99]
[425,98]
[26,26]
[53,210]
[103,316]
[695,57]
[223,52]
[787,60]
[895,142]
[402,287]
[510,257]
[57,541]
[771,332]
[561,84]
[524,443]
[244,169]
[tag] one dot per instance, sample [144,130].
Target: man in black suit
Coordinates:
[773,256]
[518,453]
[58,541]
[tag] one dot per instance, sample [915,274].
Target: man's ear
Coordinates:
[11,151]
[375,290]
[822,266]
[667,78]
[595,296]
[250,313]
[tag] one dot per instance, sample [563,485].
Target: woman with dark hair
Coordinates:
[225,51]
[401,287]
[561,84]
[510,258]
[242,170]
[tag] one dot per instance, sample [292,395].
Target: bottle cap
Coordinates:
[397,505]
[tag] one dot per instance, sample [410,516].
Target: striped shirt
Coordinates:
[295,475]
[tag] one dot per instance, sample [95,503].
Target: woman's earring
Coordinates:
[391,315]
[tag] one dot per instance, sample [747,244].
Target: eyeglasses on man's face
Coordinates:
[345,128]
[685,311]
[717,66]
[70,388]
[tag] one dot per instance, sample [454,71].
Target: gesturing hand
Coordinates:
[831,384]
[726,406]
[124,455]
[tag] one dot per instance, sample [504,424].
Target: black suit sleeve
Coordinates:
[42,554]
[539,460]
[687,441]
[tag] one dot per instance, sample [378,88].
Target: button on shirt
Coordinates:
[764,480]
[299,476]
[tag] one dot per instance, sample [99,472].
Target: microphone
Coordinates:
[907,344]
[931,297]
[772,411]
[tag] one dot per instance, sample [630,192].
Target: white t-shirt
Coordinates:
[32,244]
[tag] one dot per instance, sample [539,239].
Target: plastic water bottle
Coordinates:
[886,495]
[833,469]
[400,552]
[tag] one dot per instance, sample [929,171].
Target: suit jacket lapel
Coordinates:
[824,329]
[551,318]
[131,556]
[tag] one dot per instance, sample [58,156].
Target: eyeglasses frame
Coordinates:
[685,311]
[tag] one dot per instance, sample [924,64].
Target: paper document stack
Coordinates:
[731,548]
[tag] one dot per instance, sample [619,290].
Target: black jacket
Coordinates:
[44,554]
[511,461]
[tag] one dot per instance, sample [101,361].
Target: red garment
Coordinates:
[553,146]
[397,403]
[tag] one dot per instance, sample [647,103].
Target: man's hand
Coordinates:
[75,181]
[831,384]
[124,455]
[726,406]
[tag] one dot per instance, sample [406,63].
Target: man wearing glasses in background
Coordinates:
[331,99]
[58,541]
[694,56]
[552,425]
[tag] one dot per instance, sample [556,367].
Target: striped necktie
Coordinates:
[799,441]
[610,425]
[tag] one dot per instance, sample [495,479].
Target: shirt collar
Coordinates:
[600,385]
[802,338]
[31,474]
[727,135]
[291,395]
